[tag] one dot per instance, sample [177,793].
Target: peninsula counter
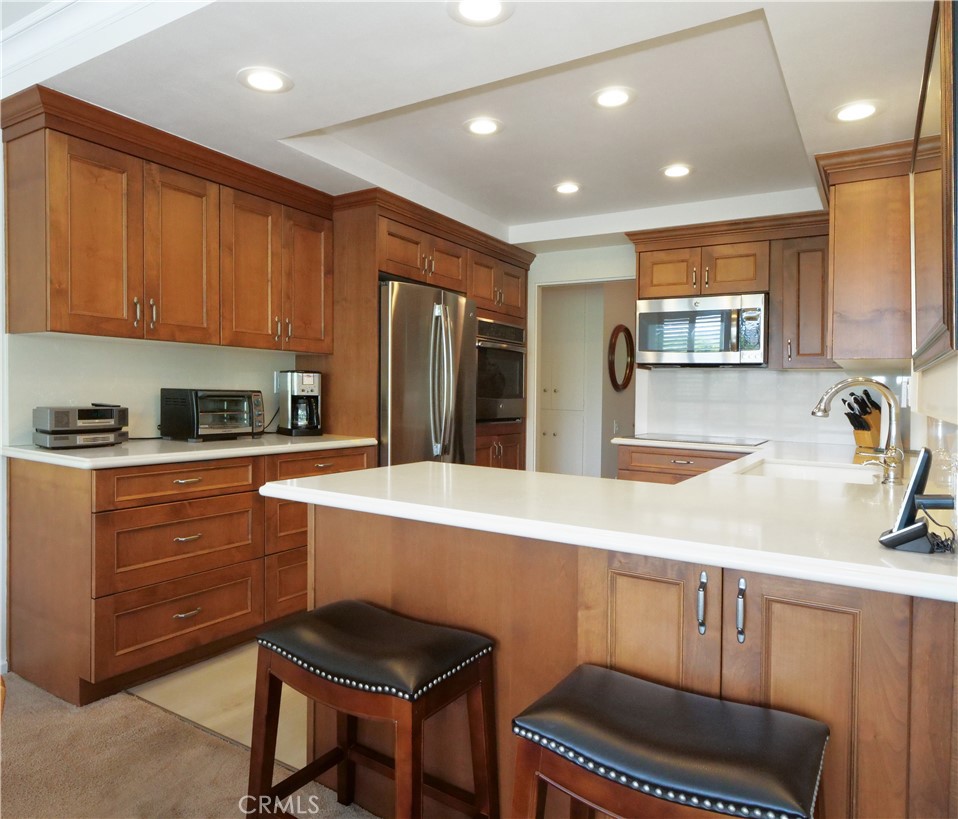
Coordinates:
[647,578]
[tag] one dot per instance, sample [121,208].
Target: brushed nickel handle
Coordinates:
[289,329]
[188,538]
[684,463]
[279,329]
[182,481]
[740,611]
[695,281]
[137,311]
[187,614]
[706,275]
[432,266]
[153,314]
[700,601]
[789,347]
[321,466]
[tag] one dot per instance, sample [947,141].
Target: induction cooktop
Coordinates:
[716,440]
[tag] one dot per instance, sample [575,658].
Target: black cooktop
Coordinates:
[715,440]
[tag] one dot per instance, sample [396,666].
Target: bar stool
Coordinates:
[367,662]
[606,738]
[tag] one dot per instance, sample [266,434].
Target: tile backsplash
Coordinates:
[742,402]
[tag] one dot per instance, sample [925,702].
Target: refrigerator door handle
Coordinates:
[436,363]
[448,383]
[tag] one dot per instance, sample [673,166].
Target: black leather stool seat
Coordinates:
[711,754]
[360,646]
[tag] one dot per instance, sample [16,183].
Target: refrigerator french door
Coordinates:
[427,383]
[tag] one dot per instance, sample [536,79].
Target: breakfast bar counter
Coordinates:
[758,589]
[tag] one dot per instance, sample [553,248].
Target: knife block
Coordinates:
[870,438]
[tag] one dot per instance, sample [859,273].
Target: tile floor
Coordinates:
[218,694]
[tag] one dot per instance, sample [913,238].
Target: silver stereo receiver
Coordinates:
[72,440]
[80,419]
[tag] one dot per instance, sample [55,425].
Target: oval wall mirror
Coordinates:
[621,357]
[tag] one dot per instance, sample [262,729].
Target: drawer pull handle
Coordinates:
[188,538]
[740,611]
[680,461]
[181,481]
[321,466]
[700,602]
[186,615]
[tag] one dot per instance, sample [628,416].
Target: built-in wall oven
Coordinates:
[500,371]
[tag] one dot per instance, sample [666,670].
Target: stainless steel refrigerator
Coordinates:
[427,375]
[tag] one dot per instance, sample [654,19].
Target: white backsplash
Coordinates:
[741,402]
[57,369]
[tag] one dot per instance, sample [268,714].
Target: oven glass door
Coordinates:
[224,413]
[500,380]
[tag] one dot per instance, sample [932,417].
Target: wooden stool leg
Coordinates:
[345,770]
[482,734]
[409,765]
[269,690]
[528,795]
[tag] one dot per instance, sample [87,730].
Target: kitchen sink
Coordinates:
[810,471]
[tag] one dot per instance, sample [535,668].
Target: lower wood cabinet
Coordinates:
[869,664]
[286,583]
[667,464]
[501,445]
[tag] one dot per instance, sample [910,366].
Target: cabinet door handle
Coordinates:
[187,614]
[432,266]
[700,601]
[706,275]
[181,481]
[321,466]
[137,314]
[740,611]
[683,463]
[279,329]
[788,346]
[695,280]
[289,329]
[152,314]
[188,538]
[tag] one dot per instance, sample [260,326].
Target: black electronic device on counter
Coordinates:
[909,534]
[210,415]
[78,427]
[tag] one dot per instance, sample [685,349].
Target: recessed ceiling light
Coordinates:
[480,12]
[483,126]
[676,170]
[567,187]
[612,97]
[264,79]
[862,109]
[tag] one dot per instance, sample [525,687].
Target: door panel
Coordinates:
[448,265]
[402,250]
[805,325]
[735,268]
[307,282]
[664,273]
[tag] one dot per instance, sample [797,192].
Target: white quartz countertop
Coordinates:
[820,530]
[158,451]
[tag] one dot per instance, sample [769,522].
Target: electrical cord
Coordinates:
[940,543]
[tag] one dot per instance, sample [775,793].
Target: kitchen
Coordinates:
[94,369]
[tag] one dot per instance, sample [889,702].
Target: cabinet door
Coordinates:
[487,451]
[287,580]
[870,267]
[735,268]
[512,290]
[837,654]
[447,265]
[665,273]
[402,250]
[96,239]
[511,452]
[251,259]
[307,282]
[181,257]
[805,325]
[482,280]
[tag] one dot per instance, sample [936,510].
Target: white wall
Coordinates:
[618,408]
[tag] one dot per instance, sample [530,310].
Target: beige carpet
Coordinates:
[122,757]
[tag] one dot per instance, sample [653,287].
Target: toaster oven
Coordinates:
[210,415]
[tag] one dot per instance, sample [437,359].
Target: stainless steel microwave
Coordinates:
[702,330]
[210,415]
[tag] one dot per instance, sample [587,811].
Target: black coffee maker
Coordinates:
[299,403]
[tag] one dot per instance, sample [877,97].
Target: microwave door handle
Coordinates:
[435,422]
[733,331]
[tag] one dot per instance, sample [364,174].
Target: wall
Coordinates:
[618,408]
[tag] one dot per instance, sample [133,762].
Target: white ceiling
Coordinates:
[740,91]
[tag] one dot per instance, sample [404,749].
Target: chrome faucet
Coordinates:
[893,456]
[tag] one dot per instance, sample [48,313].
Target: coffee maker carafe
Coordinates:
[299,407]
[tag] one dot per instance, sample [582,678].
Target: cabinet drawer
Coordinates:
[321,462]
[141,485]
[286,576]
[135,628]
[649,476]
[687,461]
[139,547]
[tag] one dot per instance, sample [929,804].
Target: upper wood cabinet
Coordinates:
[276,275]
[805,337]
[414,254]
[715,270]
[497,285]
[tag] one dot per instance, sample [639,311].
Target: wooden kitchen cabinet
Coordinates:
[497,285]
[842,655]
[307,282]
[667,464]
[415,254]
[500,445]
[741,267]
[806,325]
